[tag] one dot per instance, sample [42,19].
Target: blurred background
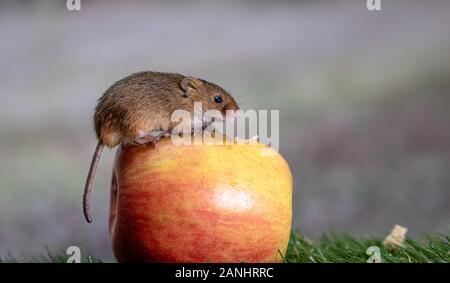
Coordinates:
[363,97]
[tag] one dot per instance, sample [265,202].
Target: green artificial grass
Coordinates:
[331,248]
[48,257]
[342,248]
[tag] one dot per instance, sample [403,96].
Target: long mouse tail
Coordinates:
[90,181]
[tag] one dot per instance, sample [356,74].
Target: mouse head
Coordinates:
[212,96]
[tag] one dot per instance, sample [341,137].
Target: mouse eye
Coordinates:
[218,99]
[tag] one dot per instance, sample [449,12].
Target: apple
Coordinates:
[200,203]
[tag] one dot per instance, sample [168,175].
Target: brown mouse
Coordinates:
[136,107]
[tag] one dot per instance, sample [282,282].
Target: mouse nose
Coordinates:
[230,114]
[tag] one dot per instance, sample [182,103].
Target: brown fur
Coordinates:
[144,101]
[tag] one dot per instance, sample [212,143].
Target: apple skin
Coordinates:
[200,203]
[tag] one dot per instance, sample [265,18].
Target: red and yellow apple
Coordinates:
[200,203]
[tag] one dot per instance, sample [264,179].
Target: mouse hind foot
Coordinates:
[150,138]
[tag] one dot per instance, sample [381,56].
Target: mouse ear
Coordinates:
[189,84]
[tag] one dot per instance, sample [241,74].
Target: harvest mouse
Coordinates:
[137,109]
